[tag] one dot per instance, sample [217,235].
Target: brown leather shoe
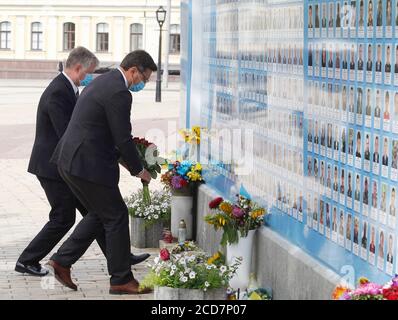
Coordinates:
[132,287]
[62,274]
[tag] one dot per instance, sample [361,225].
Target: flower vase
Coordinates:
[181,208]
[194,152]
[242,249]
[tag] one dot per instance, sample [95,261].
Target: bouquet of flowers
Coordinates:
[190,271]
[234,218]
[181,176]
[186,246]
[158,209]
[368,291]
[149,156]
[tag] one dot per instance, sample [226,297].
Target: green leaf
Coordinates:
[158,168]
[153,174]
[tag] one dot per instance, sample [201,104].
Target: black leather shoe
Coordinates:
[35,270]
[139,258]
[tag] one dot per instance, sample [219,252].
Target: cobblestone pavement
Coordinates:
[23,205]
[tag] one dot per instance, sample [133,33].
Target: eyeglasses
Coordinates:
[145,80]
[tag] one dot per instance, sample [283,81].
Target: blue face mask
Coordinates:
[86,81]
[137,87]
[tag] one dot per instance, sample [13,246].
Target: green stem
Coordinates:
[146,194]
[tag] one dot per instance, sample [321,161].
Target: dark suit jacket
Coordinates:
[99,132]
[369,65]
[53,115]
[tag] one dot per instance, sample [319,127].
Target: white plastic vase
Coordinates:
[181,208]
[241,249]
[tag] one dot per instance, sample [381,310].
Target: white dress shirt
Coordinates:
[124,77]
[75,88]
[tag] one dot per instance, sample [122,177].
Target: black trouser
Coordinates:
[106,210]
[61,219]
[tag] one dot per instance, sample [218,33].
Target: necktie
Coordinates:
[77,94]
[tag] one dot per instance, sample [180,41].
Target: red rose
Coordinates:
[136,140]
[215,202]
[390,293]
[184,182]
[164,254]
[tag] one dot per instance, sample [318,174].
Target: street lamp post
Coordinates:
[161,18]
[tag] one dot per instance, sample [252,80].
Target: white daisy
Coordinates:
[207,284]
[192,275]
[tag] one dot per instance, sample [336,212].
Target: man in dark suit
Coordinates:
[53,115]
[378,62]
[97,137]
[369,64]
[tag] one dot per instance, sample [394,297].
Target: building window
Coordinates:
[136,32]
[37,36]
[175,39]
[102,37]
[5,35]
[69,36]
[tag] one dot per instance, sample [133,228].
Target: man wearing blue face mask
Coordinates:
[53,115]
[88,155]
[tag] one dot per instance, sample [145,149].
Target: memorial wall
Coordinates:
[300,103]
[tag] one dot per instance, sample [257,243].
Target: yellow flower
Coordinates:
[338,292]
[226,207]
[363,280]
[196,130]
[222,221]
[194,176]
[257,213]
[214,258]
[196,133]
[184,134]
[197,167]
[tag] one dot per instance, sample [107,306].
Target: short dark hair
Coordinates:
[140,59]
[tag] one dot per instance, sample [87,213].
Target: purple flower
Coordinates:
[346,296]
[395,281]
[238,212]
[176,182]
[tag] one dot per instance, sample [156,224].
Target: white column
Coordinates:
[118,43]
[52,38]
[20,37]
[85,32]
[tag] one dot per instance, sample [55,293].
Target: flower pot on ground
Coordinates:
[148,220]
[145,236]
[180,179]
[167,293]
[239,221]
[189,275]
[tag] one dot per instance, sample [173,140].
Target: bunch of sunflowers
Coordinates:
[235,219]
